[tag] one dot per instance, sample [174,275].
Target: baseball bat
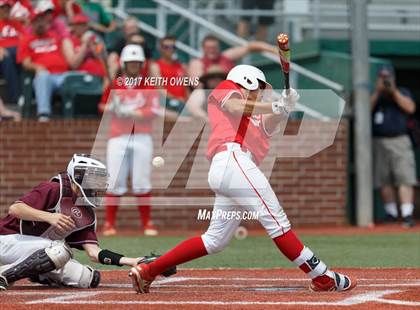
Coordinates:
[284,52]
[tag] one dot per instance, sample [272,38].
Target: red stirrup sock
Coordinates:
[185,251]
[143,201]
[303,257]
[111,209]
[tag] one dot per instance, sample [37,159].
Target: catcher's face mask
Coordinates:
[92,183]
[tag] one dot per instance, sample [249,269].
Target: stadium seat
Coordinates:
[28,92]
[80,94]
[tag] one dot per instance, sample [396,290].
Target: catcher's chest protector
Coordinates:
[83,216]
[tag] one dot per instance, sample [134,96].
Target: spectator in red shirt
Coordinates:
[10,31]
[226,59]
[66,9]
[41,53]
[83,49]
[58,24]
[169,68]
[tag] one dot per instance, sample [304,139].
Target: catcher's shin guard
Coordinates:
[41,261]
[151,258]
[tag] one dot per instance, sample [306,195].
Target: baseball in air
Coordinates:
[158,162]
[241,233]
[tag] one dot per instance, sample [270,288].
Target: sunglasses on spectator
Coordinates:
[168,46]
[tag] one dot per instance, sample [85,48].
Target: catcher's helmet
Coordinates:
[90,175]
[249,77]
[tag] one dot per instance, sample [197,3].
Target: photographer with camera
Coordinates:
[395,166]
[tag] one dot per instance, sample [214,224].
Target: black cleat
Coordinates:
[3,283]
[152,257]
[390,219]
[408,222]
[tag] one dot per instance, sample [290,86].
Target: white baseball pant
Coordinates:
[240,186]
[130,154]
[15,248]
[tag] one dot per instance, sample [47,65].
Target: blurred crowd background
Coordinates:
[54,50]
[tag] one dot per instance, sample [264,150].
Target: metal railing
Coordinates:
[317,15]
[233,39]
[120,13]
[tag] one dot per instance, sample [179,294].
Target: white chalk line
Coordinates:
[350,301]
[78,296]
[175,282]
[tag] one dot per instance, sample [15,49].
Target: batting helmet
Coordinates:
[91,177]
[131,52]
[249,77]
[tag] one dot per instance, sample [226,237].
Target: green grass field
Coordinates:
[384,250]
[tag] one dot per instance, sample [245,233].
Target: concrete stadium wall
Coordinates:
[312,190]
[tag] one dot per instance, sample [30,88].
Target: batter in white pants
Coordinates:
[130,154]
[240,185]
[15,248]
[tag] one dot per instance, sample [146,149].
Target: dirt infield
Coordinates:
[229,288]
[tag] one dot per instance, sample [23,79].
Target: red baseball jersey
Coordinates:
[247,131]
[10,31]
[173,70]
[138,98]
[222,61]
[45,197]
[90,64]
[43,50]
[60,10]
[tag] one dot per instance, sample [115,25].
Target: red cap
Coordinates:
[79,19]
[7,2]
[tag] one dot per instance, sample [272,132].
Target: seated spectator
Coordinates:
[10,31]
[169,67]
[58,25]
[130,27]
[197,101]
[263,21]
[40,52]
[66,9]
[100,21]
[6,114]
[83,50]
[226,59]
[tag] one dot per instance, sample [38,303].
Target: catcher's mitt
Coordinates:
[152,257]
